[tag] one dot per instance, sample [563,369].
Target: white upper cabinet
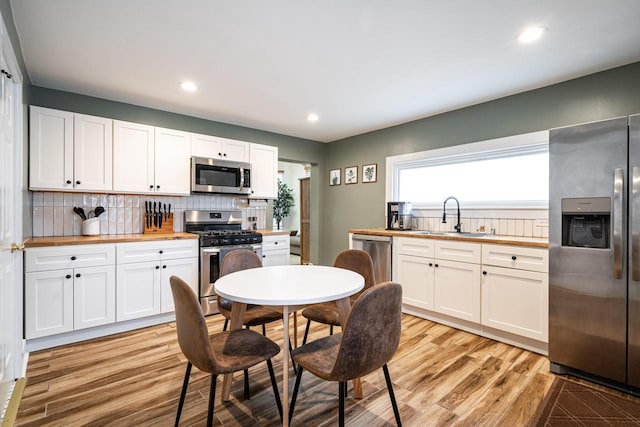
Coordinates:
[214,147]
[151,160]
[264,171]
[172,162]
[71,152]
[133,157]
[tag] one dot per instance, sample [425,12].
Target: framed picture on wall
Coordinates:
[370,172]
[334,177]
[351,175]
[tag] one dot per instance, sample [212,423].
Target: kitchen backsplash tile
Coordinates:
[53,211]
[517,227]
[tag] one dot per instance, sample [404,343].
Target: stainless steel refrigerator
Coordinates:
[594,244]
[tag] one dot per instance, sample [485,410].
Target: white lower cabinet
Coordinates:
[493,288]
[415,274]
[457,289]
[516,300]
[62,295]
[275,249]
[69,288]
[143,273]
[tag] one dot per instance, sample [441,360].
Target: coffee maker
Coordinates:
[398,216]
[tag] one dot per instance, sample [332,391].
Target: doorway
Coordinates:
[292,174]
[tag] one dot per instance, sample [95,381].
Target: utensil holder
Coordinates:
[91,227]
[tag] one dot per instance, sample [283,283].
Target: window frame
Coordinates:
[529,143]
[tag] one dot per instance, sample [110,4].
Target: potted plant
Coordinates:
[283,203]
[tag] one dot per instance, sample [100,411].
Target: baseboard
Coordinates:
[10,414]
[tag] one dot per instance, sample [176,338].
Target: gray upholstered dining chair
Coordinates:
[327,312]
[368,341]
[244,259]
[221,353]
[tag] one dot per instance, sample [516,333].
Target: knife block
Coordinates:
[167,225]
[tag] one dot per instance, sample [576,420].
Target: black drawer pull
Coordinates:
[77,274]
[68,181]
[73,258]
[68,276]
[157,267]
[514,257]
[484,272]
[164,266]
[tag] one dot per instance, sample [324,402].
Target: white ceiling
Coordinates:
[361,65]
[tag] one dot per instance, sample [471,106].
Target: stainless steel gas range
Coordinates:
[220,233]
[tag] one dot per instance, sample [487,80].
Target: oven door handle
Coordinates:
[210,250]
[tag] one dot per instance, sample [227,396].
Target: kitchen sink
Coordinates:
[453,233]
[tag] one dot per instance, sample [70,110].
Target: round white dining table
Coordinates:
[287,288]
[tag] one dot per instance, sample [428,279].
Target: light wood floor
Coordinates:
[441,376]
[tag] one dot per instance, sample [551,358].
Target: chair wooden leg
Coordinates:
[183,393]
[274,384]
[295,392]
[247,394]
[212,395]
[306,332]
[226,324]
[392,395]
[342,389]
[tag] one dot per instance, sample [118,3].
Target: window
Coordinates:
[508,172]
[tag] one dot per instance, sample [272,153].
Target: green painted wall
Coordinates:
[289,148]
[597,96]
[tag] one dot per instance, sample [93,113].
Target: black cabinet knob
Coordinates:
[151,187]
[158,187]
[164,266]
[68,276]
[437,265]
[68,181]
[514,257]
[73,258]
[225,154]
[220,154]
[264,256]
[157,267]
[77,182]
[275,243]
[160,252]
[77,274]
[484,272]
[430,264]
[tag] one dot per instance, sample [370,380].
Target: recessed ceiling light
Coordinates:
[312,117]
[531,34]
[188,86]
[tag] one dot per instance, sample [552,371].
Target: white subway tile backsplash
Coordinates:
[52,212]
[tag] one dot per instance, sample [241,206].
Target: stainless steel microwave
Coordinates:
[220,176]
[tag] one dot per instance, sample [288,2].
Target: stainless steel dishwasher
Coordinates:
[379,247]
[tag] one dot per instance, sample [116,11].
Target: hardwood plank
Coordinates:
[441,376]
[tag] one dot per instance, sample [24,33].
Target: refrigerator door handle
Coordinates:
[618,188]
[635,226]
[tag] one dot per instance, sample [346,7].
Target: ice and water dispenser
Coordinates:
[586,222]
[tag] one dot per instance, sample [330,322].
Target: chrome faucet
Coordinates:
[458,226]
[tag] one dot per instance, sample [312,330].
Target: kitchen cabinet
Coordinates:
[275,250]
[69,151]
[414,269]
[68,288]
[515,290]
[151,160]
[264,171]
[457,279]
[440,276]
[214,147]
[143,272]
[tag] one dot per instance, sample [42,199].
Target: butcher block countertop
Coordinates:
[499,240]
[273,232]
[36,242]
